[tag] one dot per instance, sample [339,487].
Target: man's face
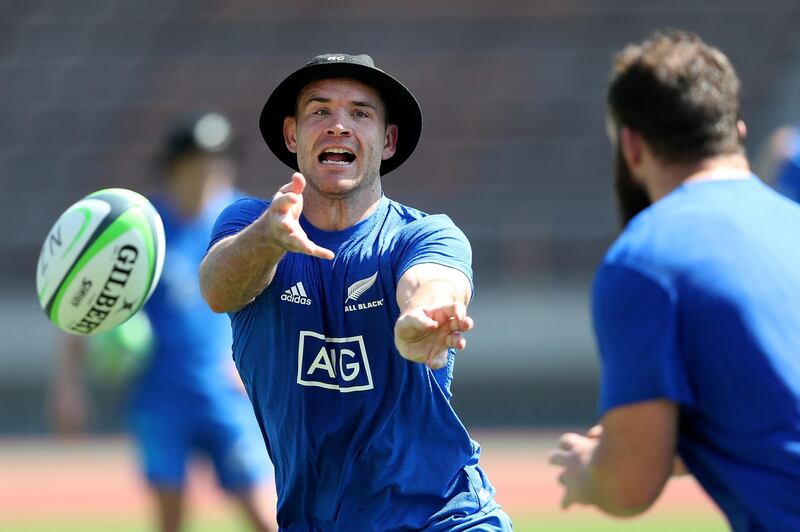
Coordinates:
[340,135]
[188,177]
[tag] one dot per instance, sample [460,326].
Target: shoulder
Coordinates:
[247,204]
[656,238]
[427,238]
[404,212]
[243,210]
[236,216]
[412,223]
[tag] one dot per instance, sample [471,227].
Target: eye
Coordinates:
[320,112]
[359,113]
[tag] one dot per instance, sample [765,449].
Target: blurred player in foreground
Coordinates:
[187,397]
[696,306]
[347,308]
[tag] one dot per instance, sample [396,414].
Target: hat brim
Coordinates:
[402,108]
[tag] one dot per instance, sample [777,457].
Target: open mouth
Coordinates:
[337,156]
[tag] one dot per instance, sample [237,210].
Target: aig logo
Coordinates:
[333,363]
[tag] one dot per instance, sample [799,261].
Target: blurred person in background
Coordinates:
[783,161]
[347,310]
[696,306]
[186,397]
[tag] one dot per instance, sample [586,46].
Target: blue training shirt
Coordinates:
[698,302]
[192,349]
[787,178]
[361,438]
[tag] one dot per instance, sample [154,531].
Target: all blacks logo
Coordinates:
[111,292]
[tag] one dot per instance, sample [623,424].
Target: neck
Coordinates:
[670,176]
[191,199]
[338,213]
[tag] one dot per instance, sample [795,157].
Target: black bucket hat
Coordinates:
[401,106]
[200,132]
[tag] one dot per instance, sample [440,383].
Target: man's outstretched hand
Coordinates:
[283,220]
[424,334]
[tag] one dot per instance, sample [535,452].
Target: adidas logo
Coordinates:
[296,294]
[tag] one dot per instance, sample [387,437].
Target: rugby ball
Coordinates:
[100,261]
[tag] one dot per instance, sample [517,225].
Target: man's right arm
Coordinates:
[70,407]
[238,268]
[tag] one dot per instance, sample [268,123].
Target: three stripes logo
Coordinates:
[296,294]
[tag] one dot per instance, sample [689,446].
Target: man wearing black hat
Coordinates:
[347,309]
[186,398]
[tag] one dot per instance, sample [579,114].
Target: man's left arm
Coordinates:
[433,303]
[623,468]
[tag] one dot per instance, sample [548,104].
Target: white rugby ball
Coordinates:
[100,262]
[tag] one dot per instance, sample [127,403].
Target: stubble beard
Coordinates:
[360,186]
[632,197]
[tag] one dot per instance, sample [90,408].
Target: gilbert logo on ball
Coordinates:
[100,262]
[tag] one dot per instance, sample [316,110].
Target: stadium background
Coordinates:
[513,149]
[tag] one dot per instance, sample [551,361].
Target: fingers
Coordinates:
[566,500]
[595,432]
[295,186]
[320,252]
[437,361]
[567,441]
[456,340]
[561,459]
[289,195]
[417,321]
[300,243]
[454,314]
[285,210]
[466,324]
[282,202]
[557,458]
[453,340]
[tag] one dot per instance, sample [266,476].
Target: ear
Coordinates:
[390,142]
[741,127]
[631,144]
[290,133]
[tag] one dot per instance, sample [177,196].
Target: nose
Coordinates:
[338,130]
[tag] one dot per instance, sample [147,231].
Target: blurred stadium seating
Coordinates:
[513,147]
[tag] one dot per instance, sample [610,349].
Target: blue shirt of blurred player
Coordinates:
[698,302]
[191,359]
[188,399]
[696,305]
[787,177]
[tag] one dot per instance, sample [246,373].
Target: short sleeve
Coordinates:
[432,239]
[236,217]
[636,325]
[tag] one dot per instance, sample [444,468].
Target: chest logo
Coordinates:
[296,294]
[334,363]
[356,290]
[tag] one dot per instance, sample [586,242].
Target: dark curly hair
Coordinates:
[680,94]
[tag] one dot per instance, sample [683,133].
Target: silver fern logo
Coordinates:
[359,287]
